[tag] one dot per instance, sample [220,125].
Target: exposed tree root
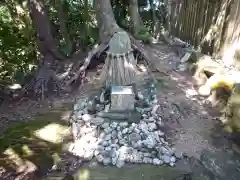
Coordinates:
[48,78]
[146,56]
[96,50]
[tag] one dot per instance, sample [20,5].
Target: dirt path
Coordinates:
[191,124]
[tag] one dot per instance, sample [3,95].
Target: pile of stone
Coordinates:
[118,142]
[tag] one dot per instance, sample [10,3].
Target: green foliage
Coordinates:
[18,43]
[19,51]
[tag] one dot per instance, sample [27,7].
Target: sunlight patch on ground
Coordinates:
[27,151]
[190,93]
[229,51]
[142,68]
[18,163]
[54,133]
[83,175]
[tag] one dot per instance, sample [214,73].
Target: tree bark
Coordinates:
[154,23]
[41,22]
[106,20]
[63,26]
[86,16]
[135,16]
[50,57]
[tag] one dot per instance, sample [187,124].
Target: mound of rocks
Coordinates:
[114,140]
[116,143]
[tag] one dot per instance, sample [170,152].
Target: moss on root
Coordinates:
[144,35]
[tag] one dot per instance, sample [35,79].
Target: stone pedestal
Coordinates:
[122,98]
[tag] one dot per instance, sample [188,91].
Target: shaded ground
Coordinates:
[190,126]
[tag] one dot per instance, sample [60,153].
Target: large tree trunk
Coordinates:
[86,16]
[63,26]
[106,20]
[41,22]
[135,16]
[154,22]
[47,46]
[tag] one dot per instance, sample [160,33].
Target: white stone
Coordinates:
[125,131]
[88,155]
[136,158]
[102,135]
[155,108]
[108,148]
[136,130]
[100,148]
[119,135]
[118,128]
[115,141]
[172,164]
[152,126]
[114,134]
[122,142]
[96,153]
[166,159]
[157,161]
[147,160]
[164,150]
[114,160]
[105,143]
[204,90]
[134,125]
[173,159]
[134,145]
[120,163]
[106,161]
[108,130]
[105,125]
[75,130]
[140,96]
[144,127]
[134,137]
[139,143]
[113,153]
[86,117]
[114,146]
[123,124]
[102,97]
[149,142]
[151,119]
[114,125]
[107,137]
[78,115]
[107,108]
[100,158]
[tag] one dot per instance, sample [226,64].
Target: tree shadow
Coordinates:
[30,149]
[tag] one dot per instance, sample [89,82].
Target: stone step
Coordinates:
[129,116]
